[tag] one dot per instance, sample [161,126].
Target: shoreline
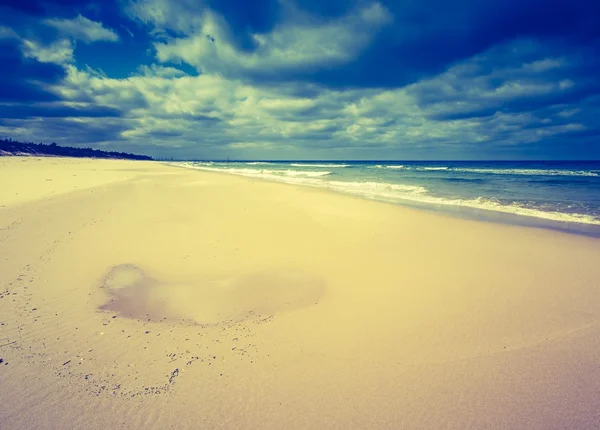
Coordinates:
[453,211]
[137,295]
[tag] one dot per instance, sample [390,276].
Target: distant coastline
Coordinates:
[10,147]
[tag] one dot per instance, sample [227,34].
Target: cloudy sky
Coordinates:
[305,79]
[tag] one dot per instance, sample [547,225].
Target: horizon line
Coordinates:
[373,160]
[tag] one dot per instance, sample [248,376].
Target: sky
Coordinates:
[305,79]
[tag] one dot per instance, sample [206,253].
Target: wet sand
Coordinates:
[139,295]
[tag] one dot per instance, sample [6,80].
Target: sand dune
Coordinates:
[139,295]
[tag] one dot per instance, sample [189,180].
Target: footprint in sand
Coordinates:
[134,294]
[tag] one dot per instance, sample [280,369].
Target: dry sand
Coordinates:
[139,295]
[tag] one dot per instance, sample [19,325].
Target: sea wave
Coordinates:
[375,189]
[514,209]
[259,163]
[464,180]
[530,172]
[493,171]
[320,165]
[403,167]
[297,173]
[397,193]
[394,193]
[256,173]
[380,166]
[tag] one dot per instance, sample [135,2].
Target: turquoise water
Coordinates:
[561,195]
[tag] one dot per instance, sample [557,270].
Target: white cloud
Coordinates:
[210,114]
[84,29]
[58,52]
[293,45]
[545,65]
[160,71]
[480,85]
[181,16]
[7,33]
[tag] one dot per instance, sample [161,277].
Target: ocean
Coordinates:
[563,195]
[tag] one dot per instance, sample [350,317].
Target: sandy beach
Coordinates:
[140,295]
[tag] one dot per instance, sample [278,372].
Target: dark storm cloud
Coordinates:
[197,117]
[311,75]
[428,36]
[66,131]
[423,39]
[164,133]
[53,111]
[518,105]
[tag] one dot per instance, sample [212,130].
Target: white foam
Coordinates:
[297,173]
[402,167]
[515,209]
[535,172]
[395,193]
[257,173]
[538,172]
[375,188]
[320,165]
[380,166]
[258,163]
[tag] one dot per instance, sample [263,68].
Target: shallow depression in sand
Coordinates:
[133,294]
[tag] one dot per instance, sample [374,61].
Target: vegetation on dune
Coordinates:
[12,147]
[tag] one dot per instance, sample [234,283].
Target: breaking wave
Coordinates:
[398,193]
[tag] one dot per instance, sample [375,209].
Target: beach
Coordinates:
[135,294]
